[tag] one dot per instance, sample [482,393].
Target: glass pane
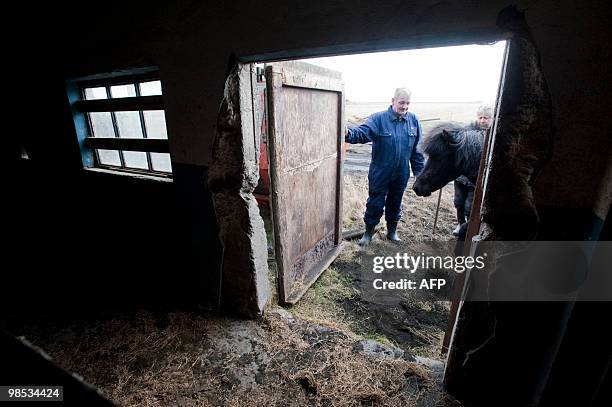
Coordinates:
[102,124]
[123,91]
[24,153]
[150,88]
[95,93]
[155,121]
[161,162]
[136,159]
[128,124]
[109,157]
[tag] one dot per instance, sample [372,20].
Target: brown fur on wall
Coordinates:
[523,138]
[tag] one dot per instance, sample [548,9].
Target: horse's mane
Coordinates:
[433,142]
[468,148]
[468,154]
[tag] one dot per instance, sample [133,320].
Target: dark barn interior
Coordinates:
[87,241]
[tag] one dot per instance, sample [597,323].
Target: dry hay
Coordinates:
[189,359]
[332,373]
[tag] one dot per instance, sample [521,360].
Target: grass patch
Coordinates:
[378,337]
[320,304]
[355,195]
[323,304]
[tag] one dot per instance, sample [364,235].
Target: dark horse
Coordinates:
[452,151]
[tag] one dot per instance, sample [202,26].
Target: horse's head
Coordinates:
[442,159]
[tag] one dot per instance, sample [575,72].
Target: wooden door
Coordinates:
[305,140]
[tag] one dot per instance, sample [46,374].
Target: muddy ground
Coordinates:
[334,348]
[415,325]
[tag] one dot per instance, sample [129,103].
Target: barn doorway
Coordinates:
[419,324]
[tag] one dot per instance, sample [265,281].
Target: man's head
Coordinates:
[401,101]
[485,117]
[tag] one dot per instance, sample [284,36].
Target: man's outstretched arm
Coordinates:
[362,134]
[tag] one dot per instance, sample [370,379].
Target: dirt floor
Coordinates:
[334,348]
[190,359]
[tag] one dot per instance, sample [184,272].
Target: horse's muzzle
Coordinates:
[419,190]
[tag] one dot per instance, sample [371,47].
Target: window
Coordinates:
[24,153]
[123,123]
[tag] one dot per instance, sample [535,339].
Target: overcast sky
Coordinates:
[466,73]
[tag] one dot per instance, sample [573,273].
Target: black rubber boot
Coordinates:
[392,232]
[367,236]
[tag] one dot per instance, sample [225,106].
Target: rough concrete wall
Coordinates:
[191,42]
[572,38]
[280,29]
[232,178]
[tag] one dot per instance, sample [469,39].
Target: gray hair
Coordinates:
[399,92]
[485,110]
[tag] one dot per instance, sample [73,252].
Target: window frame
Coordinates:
[90,144]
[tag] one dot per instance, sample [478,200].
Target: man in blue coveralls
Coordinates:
[395,135]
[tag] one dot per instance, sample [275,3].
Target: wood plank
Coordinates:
[306,144]
[120,104]
[274,85]
[128,144]
[118,77]
[311,277]
[307,208]
[340,167]
[309,127]
[303,75]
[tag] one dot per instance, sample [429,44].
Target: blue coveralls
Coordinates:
[394,144]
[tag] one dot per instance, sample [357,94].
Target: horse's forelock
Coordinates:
[466,150]
[435,142]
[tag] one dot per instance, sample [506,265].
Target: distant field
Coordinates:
[357,112]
